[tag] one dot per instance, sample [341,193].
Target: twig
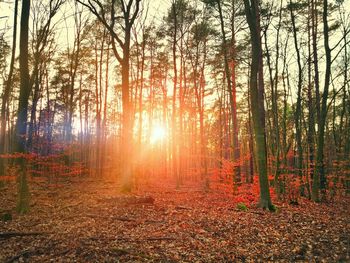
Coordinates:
[159,238]
[18,256]
[147,239]
[4,235]
[179,207]
[69,206]
[154,222]
[124,219]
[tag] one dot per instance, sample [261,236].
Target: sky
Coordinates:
[157,9]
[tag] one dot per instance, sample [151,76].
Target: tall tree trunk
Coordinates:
[36,96]
[174,113]
[105,105]
[22,115]
[231,87]
[203,140]
[297,115]
[256,95]
[126,136]
[73,68]
[319,182]
[7,90]
[311,121]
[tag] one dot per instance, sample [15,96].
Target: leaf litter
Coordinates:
[91,221]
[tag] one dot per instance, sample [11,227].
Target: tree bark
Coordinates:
[319,180]
[22,115]
[256,96]
[297,115]
[231,87]
[7,91]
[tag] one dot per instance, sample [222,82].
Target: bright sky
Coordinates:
[157,9]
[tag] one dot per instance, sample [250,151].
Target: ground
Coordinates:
[91,221]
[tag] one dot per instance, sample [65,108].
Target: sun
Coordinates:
[158,134]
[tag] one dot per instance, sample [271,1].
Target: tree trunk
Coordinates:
[7,90]
[256,96]
[231,87]
[319,182]
[126,136]
[297,115]
[22,115]
[174,129]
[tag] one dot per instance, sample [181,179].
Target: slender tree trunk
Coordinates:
[174,113]
[7,90]
[36,94]
[105,105]
[231,87]
[251,141]
[311,122]
[126,136]
[319,182]
[203,141]
[257,90]
[22,115]
[297,116]
[75,56]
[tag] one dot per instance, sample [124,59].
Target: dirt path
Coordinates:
[91,222]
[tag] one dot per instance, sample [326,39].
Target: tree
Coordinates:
[22,115]
[319,180]
[256,97]
[7,89]
[298,134]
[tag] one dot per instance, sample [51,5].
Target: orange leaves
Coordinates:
[60,163]
[8,178]
[27,156]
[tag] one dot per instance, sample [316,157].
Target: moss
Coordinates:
[273,208]
[6,217]
[242,207]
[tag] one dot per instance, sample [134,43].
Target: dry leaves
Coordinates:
[91,221]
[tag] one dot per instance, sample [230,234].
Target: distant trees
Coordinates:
[120,17]
[42,53]
[7,90]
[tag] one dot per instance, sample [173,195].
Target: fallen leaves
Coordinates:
[100,224]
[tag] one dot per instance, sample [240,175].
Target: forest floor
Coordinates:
[91,221]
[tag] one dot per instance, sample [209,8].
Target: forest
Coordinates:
[175,130]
